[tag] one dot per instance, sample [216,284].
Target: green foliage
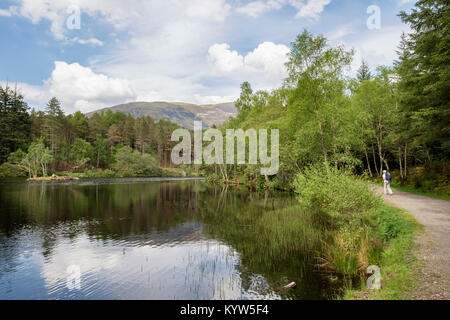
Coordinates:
[432,179]
[131,163]
[81,152]
[213,178]
[62,152]
[318,99]
[424,69]
[336,193]
[392,223]
[363,72]
[8,170]
[397,259]
[35,161]
[98,173]
[15,123]
[172,173]
[101,152]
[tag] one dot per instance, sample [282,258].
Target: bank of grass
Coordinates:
[431,194]
[108,173]
[397,229]
[361,231]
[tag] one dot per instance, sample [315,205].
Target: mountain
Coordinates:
[183,114]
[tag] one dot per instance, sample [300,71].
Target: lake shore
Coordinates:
[53,178]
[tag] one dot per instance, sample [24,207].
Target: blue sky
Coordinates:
[196,51]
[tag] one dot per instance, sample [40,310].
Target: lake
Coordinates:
[147,239]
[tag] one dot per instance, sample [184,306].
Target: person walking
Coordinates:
[387,183]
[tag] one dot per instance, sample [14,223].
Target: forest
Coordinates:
[396,118]
[106,144]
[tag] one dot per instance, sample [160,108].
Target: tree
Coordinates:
[80,125]
[318,101]
[374,98]
[37,124]
[101,151]
[424,69]
[243,104]
[62,152]
[144,131]
[131,163]
[15,122]
[81,152]
[35,161]
[363,72]
[53,124]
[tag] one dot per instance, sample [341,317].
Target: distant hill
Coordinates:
[184,114]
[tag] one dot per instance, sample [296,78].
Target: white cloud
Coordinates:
[224,59]
[78,88]
[8,12]
[91,41]
[268,58]
[264,65]
[208,9]
[79,85]
[403,2]
[34,95]
[306,8]
[121,14]
[310,8]
[341,32]
[377,47]
[256,8]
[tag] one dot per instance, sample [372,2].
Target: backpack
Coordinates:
[388,177]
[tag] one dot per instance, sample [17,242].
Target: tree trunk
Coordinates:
[324,149]
[375,161]
[368,163]
[406,148]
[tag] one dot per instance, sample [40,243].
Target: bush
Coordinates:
[98,173]
[81,152]
[213,179]
[131,163]
[172,173]
[336,193]
[434,177]
[8,170]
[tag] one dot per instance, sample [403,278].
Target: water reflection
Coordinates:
[144,239]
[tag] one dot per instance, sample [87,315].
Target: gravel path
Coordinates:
[434,244]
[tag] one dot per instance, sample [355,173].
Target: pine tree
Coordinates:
[54,117]
[424,69]
[363,72]
[15,122]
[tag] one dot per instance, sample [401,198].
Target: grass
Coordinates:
[397,262]
[430,194]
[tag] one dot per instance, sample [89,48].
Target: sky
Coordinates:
[92,54]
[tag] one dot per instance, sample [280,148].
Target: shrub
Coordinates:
[213,178]
[98,173]
[81,152]
[8,170]
[172,173]
[131,163]
[336,193]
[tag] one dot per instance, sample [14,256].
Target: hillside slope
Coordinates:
[183,114]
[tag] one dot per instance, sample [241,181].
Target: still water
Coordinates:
[144,239]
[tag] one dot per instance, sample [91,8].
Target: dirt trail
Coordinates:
[434,245]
